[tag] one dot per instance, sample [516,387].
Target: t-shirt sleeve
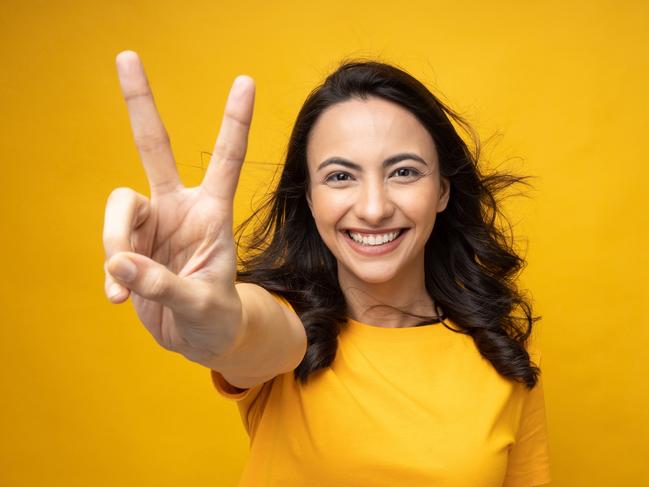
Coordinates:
[250,401]
[529,458]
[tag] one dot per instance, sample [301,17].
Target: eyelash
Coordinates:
[331,177]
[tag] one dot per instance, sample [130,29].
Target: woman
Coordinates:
[375,334]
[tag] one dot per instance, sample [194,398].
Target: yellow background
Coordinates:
[87,396]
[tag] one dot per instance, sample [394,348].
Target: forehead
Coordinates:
[367,131]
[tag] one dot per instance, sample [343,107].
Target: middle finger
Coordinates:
[224,168]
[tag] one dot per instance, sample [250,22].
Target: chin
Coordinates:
[375,280]
[374,277]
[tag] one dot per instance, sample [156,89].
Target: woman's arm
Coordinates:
[272,340]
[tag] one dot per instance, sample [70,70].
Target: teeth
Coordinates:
[374,239]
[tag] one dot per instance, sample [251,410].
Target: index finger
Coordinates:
[150,135]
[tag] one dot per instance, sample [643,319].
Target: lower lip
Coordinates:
[373,250]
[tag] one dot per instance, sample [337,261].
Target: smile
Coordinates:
[374,244]
[374,238]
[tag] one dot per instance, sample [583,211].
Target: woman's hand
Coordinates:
[174,253]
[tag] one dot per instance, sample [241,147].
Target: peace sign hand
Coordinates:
[175,253]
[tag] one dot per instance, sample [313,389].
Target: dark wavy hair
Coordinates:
[470,262]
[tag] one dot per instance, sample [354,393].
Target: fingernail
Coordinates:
[124,270]
[114,290]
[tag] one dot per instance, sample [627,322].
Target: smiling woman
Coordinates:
[381,226]
[374,333]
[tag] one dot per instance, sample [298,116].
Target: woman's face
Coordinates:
[375,189]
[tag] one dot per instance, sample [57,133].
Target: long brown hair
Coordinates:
[470,262]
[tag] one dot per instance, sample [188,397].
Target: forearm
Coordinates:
[271,340]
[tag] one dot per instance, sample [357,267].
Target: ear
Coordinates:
[445,194]
[308,198]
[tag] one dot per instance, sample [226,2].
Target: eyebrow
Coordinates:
[388,162]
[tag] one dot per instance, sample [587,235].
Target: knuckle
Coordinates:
[228,155]
[229,150]
[152,141]
[115,242]
[241,124]
[120,193]
[111,243]
[157,285]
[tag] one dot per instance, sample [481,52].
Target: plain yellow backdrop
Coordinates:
[89,398]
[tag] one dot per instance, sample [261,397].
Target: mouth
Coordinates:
[374,239]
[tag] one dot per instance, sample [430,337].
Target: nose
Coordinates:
[373,203]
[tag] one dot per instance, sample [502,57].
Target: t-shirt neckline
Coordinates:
[359,327]
[356,323]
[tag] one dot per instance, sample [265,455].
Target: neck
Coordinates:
[407,292]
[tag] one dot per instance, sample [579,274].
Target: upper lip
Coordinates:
[373,232]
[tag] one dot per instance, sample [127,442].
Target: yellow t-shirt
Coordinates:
[399,406]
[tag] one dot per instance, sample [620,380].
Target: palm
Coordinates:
[186,230]
[178,234]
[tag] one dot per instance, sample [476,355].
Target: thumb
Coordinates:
[151,280]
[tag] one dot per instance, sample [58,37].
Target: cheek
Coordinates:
[419,205]
[327,208]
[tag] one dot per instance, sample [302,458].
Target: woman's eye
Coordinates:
[337,176]
[406,172]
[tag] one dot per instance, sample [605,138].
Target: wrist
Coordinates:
[228,334]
